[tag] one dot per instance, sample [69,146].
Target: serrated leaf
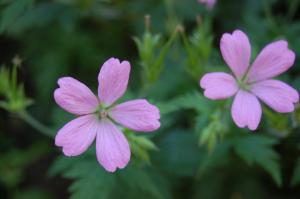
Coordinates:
[257,149]
[91,181]
[137,178]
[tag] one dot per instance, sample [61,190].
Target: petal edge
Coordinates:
[273,60]
[77,135]
[113,80]
[236,51]
[276,94]
[246,110]
[138,115]
[75,97]
[218,85]
[112,147]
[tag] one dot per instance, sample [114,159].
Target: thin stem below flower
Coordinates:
[36,124]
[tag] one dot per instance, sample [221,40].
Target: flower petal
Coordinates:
[77,135]
[138,115]
[273,60]
[246,110]
[276,94]
[236,51]
[75,97]
[112,147]
[209,3]
[218,85]
[113,80]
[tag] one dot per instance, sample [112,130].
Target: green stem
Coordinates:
[293,6]
[156,64]
[36,124]
[269,15]
[169,8]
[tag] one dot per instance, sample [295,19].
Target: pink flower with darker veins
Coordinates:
[209,3]
[97,116]
[254,82]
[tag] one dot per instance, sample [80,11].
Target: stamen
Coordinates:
[103,114]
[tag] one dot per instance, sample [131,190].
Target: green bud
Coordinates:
[152,51]
[15,98]
[198,48]
[140,146]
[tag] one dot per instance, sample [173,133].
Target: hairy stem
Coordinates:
[24,115]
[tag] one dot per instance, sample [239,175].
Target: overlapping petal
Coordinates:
[112,148]
[75,97]
[276,94]
[246,110]
[273,60]
[77,135]
[236,51]
[218,85]
[138,115]
[113,80]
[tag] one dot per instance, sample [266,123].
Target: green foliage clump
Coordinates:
[198,152]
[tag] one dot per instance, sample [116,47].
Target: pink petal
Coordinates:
[276,94]
[77,135]
[113,80]
[75,97]
[138,115]
[246,110]
[209,3]
[273,60]
[218,85]
[112,147]
[236,51]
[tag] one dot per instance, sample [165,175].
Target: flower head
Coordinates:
[252,83]
[209,3]
[98,115]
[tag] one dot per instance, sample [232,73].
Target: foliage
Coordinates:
[197,153]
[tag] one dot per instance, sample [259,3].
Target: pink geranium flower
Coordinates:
[97,116]
[209,3]
[254,82]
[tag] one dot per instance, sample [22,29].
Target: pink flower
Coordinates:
[97,116]
[209,3]
[254,82]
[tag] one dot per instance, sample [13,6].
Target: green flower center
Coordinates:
[243,84]
[102,112]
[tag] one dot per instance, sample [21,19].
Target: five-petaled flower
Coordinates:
[209,3]
[97,116]
[252,82]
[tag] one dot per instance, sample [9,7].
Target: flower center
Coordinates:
[243,85]
[103,114]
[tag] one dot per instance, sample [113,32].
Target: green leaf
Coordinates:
[296,174]
[188,101]
[257,149]
[138,179]
[219,157]
[179,153]
[91,181]
[12,12]
[140,146]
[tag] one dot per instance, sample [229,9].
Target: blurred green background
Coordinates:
[199,152]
